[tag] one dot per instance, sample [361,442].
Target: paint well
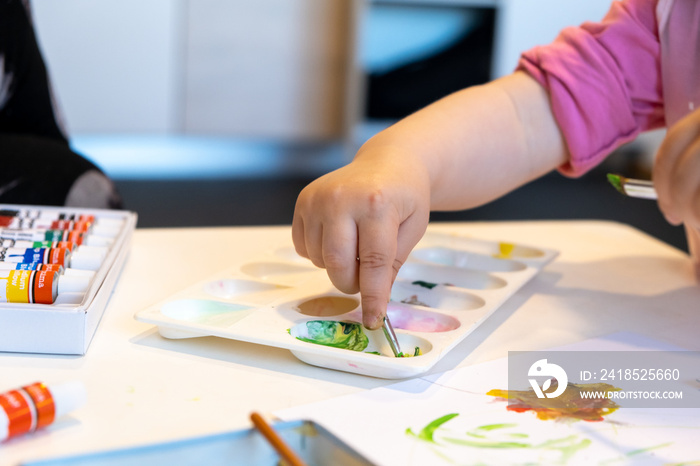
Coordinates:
[290,254]
[449,276]
[438,296]
[267,270]
[407,342]
[328,306]
[467,260]
[502,249]
[231,288]
[205,311]
[417,320]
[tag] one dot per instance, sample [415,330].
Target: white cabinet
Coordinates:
[288,70]
[264,68]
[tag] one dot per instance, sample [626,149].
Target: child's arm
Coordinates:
[460,152]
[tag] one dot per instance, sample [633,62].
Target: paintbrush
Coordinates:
[634,188]
[286,453]
[391,336]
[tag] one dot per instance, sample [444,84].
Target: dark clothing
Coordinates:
[38,165]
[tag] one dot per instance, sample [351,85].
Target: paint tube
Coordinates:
[76,237]
[39,286]
[31,266]
[83,258]
[33,214]
[53,215]
[34,406]
[59,256]
[28,286]
[11,243]
[71,225]
[27,223]
[65,297]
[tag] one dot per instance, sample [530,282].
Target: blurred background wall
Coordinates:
[289,71]
[218,112]
[132,75]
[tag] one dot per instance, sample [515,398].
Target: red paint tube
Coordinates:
[34,406]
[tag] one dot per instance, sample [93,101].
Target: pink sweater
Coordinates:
[638,69]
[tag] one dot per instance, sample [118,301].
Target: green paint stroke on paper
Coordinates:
[345,335]
[487,444]
[491,436]
[427,432]
[495,426]
[571,405]
[641,451]
[648,449]
[566,446]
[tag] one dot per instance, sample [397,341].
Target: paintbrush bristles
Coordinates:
[616,181]
[643,189]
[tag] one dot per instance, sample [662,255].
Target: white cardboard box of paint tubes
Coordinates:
[446,289]
[56,309]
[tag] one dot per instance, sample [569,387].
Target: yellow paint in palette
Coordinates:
[505,250]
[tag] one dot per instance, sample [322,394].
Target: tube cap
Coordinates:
[68,397]
[93,240]
[79,273]
[73,284]
[110,222]
[88,259]
[109,231]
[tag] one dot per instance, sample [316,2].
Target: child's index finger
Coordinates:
[377,253]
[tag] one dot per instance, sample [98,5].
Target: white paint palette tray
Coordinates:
[446,289]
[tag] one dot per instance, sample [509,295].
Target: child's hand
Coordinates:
[677,172]
[361,221]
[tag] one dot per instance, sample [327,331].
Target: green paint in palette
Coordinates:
[345,335]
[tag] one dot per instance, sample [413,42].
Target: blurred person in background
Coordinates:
[38,165]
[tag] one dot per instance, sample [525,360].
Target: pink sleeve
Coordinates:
[604,81]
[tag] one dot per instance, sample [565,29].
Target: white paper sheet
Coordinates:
[377,422]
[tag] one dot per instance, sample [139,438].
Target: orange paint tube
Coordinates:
[34,406]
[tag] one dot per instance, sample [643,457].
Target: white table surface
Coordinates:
[143,388]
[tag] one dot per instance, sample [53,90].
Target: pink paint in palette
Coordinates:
[447,288]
